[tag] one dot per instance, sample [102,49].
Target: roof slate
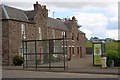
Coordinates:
[68,24]
[28,16]
[13,13]
[21,15]
[56,24]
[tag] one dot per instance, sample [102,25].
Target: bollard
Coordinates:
[103,62]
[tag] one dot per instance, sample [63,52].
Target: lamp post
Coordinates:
[103,48]
[103,59]
[24,47]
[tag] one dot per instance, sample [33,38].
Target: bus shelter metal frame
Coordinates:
[25,44]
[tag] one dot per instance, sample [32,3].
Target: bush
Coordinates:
[18,60]
[115,56]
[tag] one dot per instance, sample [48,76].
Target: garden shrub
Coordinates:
[115,56]
[18,60]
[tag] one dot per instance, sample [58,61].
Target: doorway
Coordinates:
[80,52]
[69,53]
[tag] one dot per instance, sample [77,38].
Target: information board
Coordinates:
[97,47]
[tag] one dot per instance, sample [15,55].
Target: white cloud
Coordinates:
[113,10]
[97,22]
[91,19]
[114,19]
[57,9]
[113,34]
[63,0]
[89,7]
[87,32]
[93,24]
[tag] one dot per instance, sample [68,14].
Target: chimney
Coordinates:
[44,11]
[37,6]
[36,2]
[73,18]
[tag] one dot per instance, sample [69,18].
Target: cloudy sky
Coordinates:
[99,18]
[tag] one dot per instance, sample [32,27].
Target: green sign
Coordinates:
[97,53]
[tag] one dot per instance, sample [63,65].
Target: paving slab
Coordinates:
[81,65]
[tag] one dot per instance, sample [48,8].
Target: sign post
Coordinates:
[97,53]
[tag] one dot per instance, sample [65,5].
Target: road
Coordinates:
[39,74]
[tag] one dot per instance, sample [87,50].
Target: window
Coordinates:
[63,34]
[72,36]
[78,50]
[23,28]
[53,33]
[40,35]
[77,36]
[70,52]
[83,35]
[73,50]
[23,31]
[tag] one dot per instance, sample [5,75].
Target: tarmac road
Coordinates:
[38,74]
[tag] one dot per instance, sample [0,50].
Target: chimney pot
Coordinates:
[44,6]
[36,2]
[73,18]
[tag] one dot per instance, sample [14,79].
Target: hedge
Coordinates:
[115,56]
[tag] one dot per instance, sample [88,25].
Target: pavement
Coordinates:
[81,65]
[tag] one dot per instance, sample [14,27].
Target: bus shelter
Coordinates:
[47,53]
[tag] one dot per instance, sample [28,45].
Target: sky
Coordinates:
[99,18]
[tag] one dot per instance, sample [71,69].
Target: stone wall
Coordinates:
[5,42]
[12,38]
[76,43]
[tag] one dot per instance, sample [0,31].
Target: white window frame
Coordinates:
[53,33]
[23,31]
[40,34]
[63,34]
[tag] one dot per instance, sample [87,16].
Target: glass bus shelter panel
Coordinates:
[31,62]
[42,46]
[57,60]
[57,46]
[58,55]
[43,60]
[42,53]
[29,55]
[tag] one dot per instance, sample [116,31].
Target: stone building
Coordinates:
[36,25]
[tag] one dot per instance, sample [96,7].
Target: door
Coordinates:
[73,50]
[80,52]
[69,52]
